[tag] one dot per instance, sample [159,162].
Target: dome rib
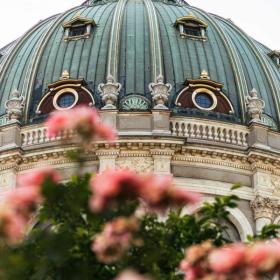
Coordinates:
[17,61]
[262,63]
[235,61]
[114,45]
[38,56]
[155,40]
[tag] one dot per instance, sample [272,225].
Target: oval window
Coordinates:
[66,100]
[204,100]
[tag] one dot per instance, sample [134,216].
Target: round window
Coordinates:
[204,100]
[66,100]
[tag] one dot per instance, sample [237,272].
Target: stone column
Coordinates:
[263,208]
[107,159]
[162,161]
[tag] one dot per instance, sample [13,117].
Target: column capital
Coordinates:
[264,207]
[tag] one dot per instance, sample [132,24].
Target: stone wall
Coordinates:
[203,155]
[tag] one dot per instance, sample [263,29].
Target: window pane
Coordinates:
[204,100]
[192,31]
[66,100]
[77,31]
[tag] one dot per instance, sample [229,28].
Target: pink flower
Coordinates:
[116,238]
[23,200]
[263,257]
[58,121]
[84,120]
[159,193]
[227,259]
[111,185]
[105,132]
[37,177]
[12,226]
[131,275]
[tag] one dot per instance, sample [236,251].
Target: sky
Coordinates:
[259,18]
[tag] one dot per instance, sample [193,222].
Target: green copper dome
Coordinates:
[135,41]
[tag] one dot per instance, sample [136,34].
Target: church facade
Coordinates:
[189,93]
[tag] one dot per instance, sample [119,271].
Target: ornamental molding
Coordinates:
[255,106]
[163,153]
[109,93]
[160,93]
[265,207]
[275,181]
[15,106]
[137,164]
[135,102]
[107,153]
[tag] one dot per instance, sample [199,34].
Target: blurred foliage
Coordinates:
[59,245]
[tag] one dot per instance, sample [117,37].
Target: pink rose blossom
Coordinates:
[84,120]
[58,121]
[159,193]
[12,226]
[227,259]
[37,177]
[131,275]
[263,256]
[116,238]
[111,185]
[23,200]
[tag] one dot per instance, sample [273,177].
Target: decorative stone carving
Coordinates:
[65,75]
[276,184]
[138,164]
[160,93]
[255,106]
[109,93]
[135,102]
[107,159]
[263,207]
[14,106]
[204,75]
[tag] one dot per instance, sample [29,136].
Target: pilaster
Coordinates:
[10,137]
[161,122]
[109,117]
[162,161]
[258,137]
[107,159]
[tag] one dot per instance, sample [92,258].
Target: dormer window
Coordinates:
[275,55]
[78,28]
[204,94]
[191,27]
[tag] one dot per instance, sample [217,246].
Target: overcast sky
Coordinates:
[259,18]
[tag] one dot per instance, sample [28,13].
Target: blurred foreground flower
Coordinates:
[21,202]
[157,192]
[116,238]
[234,261]
[131,275]
[84,120]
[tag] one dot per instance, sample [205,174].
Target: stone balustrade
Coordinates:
[34,135]
[210,131]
